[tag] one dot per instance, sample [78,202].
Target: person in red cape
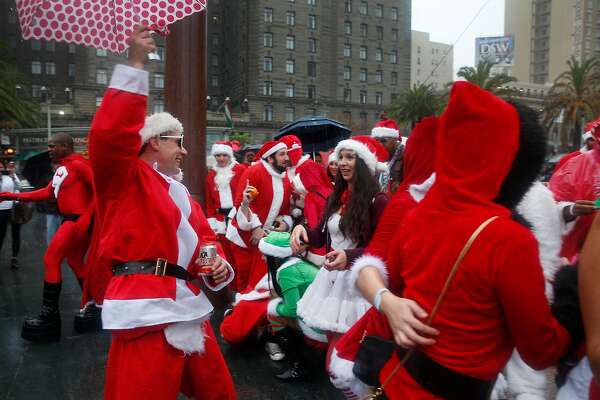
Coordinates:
[588,141]
[150,235]
[496,301]
[418,176]
[72,188]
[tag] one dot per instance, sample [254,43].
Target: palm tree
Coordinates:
[14,110]
[481,75]
[416,103]
[574,95]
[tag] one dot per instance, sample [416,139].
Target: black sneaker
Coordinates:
[296,373]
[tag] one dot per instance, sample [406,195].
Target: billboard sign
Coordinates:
[499,50]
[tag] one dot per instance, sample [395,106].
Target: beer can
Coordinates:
[207,257]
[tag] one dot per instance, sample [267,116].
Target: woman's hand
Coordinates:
[336,260]
[404,317]
[298,239]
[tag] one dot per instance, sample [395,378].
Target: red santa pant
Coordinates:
[148,367]
[250,267]
[70,242]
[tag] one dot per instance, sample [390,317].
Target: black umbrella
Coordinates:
[316,133]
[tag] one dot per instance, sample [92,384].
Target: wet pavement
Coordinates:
[73,368]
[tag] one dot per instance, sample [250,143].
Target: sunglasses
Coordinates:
[179,137]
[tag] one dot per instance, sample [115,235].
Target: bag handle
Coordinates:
[379,391]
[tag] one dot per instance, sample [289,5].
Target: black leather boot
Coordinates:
[295,352]
[88,319]
[46,326]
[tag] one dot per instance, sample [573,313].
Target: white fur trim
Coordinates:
[419,191]
[274,149]
[160,123]
[187,336]
[367,261]
[245,224]
[361,151]
[332,157]
[129,79]
[311,333]
[587,135]
[260,292]
[383,132]
[218,227]
[221,285]
[342,377]
[234,236]
[223,178]
[298,185]
[297,212]
[274,251]
[278,191]
[288,221]
[381,167]
[272,307]
[219,148]
[523,382]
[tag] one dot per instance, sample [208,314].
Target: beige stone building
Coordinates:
[431,62]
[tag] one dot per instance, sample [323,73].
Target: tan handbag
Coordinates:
[378,393]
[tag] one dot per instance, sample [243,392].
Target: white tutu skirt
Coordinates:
[329,303]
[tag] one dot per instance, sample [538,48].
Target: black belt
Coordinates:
[442,381]
[159,267]
[224,211]
[70,217]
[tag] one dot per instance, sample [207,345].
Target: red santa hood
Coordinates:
[479,138]
[419,154]
[294,146]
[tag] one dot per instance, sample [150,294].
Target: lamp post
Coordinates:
[46,92]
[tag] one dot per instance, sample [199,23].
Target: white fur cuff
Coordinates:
[222,284]
[272,307]
[217,226]
[243,222]
[367,261]
[187,336]
[129,79]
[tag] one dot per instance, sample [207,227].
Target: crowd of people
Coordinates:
[435,266]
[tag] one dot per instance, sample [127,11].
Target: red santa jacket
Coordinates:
[71,186]
[143,214]
[496,301]
[219,194]
[273,201]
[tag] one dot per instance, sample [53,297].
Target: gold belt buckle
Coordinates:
[161,267]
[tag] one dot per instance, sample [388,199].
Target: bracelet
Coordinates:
[377,298]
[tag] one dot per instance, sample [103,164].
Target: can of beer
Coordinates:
[207,256]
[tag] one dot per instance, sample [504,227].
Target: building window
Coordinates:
[101,53]
[379,98]
[364,8]
[160,50]
[50,68]
[364,30]
[347,95]
[363,97]
[312,22]
[363,52]
[311,92]
[12,17]
[348,50]
[380,33]
[394,13]
[290,42]
[348,27]
[311,2]
[36,68]
[50,45]
[348,6]
[379,76]
[72,48]
[312,45]
[71,70]
[347,73]
[290,66]
[159,81]
[394,57]
[214,80]
[215,60]
[101,77]
[395,35]
[312,69]
[290,18]
[348,117]
[268,64]
[268,88]
[267,39]
[379,10]
[159,106]
[35,91]
[98,101]
[394,78]
[363,74]
[289,114]
[363,118]
[215,39]
[289,90]
[268,15]
[268,113]
[36,44]
[379,55]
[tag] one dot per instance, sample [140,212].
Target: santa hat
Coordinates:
[367,149]
[268,149]
[160,123]
[221,147]
[292,142]
[332,157]
[385,129]
[592,128]
[586,136]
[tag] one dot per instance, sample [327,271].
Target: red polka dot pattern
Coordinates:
[103,24]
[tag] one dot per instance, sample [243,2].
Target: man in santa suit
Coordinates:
[151,233]
[71,186]
[262,204]
[388,134]
[588,144]
[221,182]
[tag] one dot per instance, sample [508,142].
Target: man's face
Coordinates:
[589,144]
[57,150]
[249,157]
[170,153]
[279,161]
[390,145]
[223,160]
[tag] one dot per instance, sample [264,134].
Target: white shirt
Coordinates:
[8,184]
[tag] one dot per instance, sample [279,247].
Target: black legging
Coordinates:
[15,231]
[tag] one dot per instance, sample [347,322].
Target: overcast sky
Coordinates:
[446,19]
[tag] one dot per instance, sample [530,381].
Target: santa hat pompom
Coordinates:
[160,123]
[385,129]
[222,148]
[367,149]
